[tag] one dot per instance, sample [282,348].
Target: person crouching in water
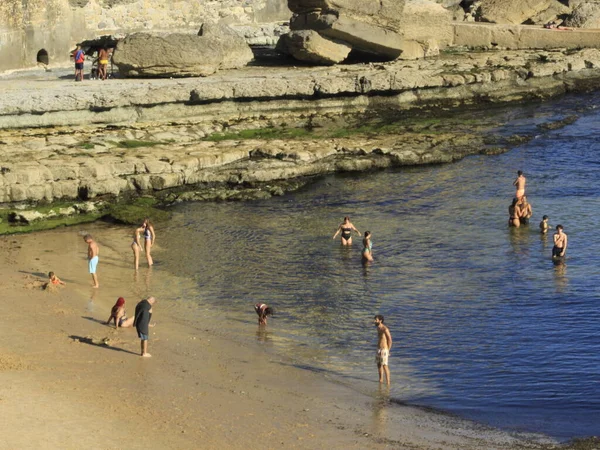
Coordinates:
[263,311]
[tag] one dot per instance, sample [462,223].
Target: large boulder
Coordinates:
[182,55]
[514,11]
[585,15]
[371,27]
[309,46]
[360,35]
[425,21]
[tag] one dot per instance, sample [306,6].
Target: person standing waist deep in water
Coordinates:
[346,228]
[560,242]
[367,252]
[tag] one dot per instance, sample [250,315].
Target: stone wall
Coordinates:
[28,26]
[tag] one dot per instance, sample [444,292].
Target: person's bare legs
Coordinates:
[144,347]
[387,374]
[347,241]
[380,370]
[95,280]
[148,247]
[136,255]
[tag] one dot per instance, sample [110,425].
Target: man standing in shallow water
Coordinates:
[92,257]
[560,242]
[384,346]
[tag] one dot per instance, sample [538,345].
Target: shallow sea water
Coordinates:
[485,325]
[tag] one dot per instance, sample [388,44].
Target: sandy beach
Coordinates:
[69,381]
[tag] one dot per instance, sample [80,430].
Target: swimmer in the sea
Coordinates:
[513,214]
[346,228]
[544,227]
[525,211]
[367,252]
[519,184]
[263,311]
[560,243]
[118,315]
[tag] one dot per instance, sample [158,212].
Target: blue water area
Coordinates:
[485,324]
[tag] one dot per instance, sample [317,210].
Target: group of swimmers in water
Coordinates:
[519,213]
[346,228]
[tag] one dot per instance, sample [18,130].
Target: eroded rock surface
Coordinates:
[519,11]
[372,27]
[310,46]
[182,55]
[585,15]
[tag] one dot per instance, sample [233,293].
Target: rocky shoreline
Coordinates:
[253,133]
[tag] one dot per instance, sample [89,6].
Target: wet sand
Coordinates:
[69,381]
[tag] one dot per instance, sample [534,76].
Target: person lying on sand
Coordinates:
[54,280]
[555,26]
[263,311]
[118,315]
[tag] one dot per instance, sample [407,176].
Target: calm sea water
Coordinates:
[484,324]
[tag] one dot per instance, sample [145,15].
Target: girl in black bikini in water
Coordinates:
[346,228]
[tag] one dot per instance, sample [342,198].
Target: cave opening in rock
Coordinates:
[42,57]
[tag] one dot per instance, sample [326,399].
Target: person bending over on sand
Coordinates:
[513,214]
[118,315]
[384,345]
[143,314]
[263,311]
[367,252]
[149,238]
[525,211]
[544,225]
[346,228]
[560,242]
[93,251]
[519,184]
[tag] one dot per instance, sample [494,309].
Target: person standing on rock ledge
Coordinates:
[92,258]
[519,184]
[79,60]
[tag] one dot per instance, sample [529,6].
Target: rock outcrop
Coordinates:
[310,46]
[585,15]
[518,11]
[182,55]
[371,27]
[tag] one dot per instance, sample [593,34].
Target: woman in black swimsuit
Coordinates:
[346,228]
[513,214]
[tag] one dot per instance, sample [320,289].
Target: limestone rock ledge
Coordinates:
[281,92]
[63,171]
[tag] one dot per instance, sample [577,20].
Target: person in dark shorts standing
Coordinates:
[560,243]
[143,314]
[79,57]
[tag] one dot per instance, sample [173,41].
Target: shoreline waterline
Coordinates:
[201,377]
